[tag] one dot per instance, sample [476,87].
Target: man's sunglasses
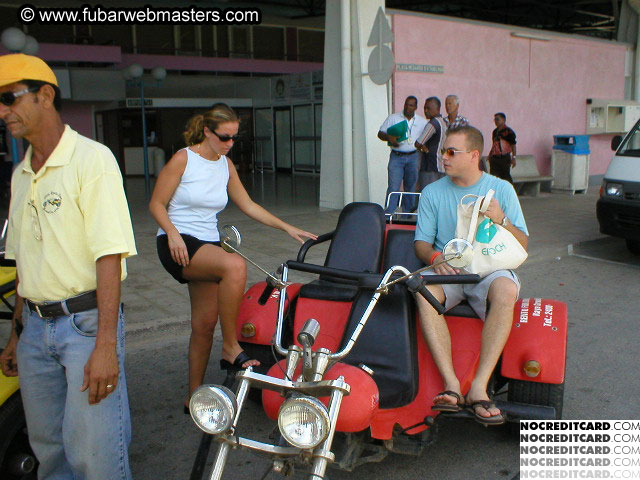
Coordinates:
[9,98]
[226,138]
[452,151]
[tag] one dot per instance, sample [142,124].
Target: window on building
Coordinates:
[9,18]
[207,48]
[82,35]
[57,33]
[310,45]
[240,45]
[222,36]
[268,43]
[155,39]
[121,35]
[187,44]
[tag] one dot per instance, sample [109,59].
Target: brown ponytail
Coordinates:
[195,130]
[219,113]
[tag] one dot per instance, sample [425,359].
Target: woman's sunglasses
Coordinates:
[9,98]
[452,151]
[226,138]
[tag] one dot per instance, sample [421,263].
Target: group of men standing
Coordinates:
[416,146]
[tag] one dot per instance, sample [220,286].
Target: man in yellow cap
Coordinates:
[69,232]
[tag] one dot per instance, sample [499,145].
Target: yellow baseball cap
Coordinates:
[18,66]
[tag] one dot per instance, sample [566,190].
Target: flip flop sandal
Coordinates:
[241,359]
[449,407]
[486,404]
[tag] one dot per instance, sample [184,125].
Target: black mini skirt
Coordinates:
[175,269]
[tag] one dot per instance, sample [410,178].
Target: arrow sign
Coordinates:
[381,32]
[381,60]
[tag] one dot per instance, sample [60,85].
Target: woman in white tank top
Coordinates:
[190,192]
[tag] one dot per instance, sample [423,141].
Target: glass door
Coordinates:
[317,111]
[282,135]
[263,139]
[303,138]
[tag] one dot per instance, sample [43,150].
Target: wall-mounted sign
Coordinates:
[135,102]
[414,67]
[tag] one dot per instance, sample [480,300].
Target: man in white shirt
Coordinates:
[400,131]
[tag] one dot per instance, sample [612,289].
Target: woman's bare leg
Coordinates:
[204,316]
[209,264]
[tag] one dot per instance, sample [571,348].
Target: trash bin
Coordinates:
[570,163]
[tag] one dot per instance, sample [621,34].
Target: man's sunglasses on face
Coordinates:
[226,138]
[9,98]
[452,151]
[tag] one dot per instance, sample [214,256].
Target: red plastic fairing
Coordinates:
[332,317]
[262,317]
[357,408]
[465,345]
[539,333]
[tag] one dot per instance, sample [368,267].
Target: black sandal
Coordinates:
[486,404]
[449,407]
[240,360]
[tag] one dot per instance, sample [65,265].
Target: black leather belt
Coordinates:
[404,153]
[83,302]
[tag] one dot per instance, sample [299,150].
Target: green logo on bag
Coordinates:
[487,251]
[486,231]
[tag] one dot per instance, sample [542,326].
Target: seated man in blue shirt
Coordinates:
[437,215]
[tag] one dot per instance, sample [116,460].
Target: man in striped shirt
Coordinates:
[430,143]
[453,120]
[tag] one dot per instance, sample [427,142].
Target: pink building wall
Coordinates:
[541,86]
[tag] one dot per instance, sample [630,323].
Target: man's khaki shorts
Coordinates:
[475,293]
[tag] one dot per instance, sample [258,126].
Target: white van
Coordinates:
[618,208]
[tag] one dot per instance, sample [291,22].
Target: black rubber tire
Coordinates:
[13,436]
[534,393]
[633,246]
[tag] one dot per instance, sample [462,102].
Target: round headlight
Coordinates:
[303,422]
[213,408]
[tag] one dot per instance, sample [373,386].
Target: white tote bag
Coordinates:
[494,247]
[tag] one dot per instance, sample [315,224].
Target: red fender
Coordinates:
[262,317]
[465,345]
[357,408]
[332,317]
[539,332]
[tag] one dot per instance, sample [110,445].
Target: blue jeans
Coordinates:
[403,170]
[72,439]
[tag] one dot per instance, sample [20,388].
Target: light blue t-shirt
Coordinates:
[438,207]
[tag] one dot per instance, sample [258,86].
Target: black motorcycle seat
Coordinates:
[387,345]
[399,251]
[358,240]
[357,245]
[324,290]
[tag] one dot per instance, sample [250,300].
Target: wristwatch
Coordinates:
[505,222]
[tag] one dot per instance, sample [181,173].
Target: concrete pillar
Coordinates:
[363,176]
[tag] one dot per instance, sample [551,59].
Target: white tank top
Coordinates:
[200,196]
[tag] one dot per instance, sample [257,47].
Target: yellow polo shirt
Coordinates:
[65,217]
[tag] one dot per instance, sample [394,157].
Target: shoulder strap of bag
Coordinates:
[487,201]
[480,206]
[474,220]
